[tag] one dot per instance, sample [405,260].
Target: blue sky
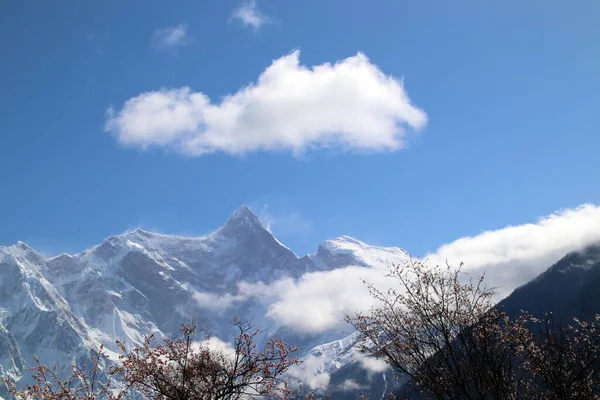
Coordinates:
[503,128]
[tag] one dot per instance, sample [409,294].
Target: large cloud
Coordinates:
[317,301]
[510,257]
[351,104]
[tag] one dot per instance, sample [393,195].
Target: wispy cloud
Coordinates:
[350,105]
[267,218]
[249,15]
[171,38]
[350,385]
[285,224]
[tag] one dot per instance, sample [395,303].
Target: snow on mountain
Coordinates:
[34,318]
[345,250]
[339,368]
[140,282]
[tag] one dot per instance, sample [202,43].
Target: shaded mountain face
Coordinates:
[568,289]
[140,283]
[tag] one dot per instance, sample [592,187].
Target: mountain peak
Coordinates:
[242,211]
[140,233]
[243,215]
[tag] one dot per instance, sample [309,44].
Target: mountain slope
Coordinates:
[34,318]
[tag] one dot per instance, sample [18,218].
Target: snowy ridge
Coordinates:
[346,250]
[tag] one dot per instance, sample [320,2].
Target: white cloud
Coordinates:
[171,37]
[215,345]
[370,364]
[249,15]
[318,300]
[349,385]
[510,256]
[314,303]
[216,302]
[348,105]
[310,371]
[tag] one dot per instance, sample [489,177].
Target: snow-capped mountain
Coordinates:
[139,283]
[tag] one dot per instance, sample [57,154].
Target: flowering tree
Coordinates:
[440,329]
[563,361]
[83,384]
[176,369]
[180,369]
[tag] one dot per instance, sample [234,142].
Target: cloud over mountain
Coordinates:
[509,257]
